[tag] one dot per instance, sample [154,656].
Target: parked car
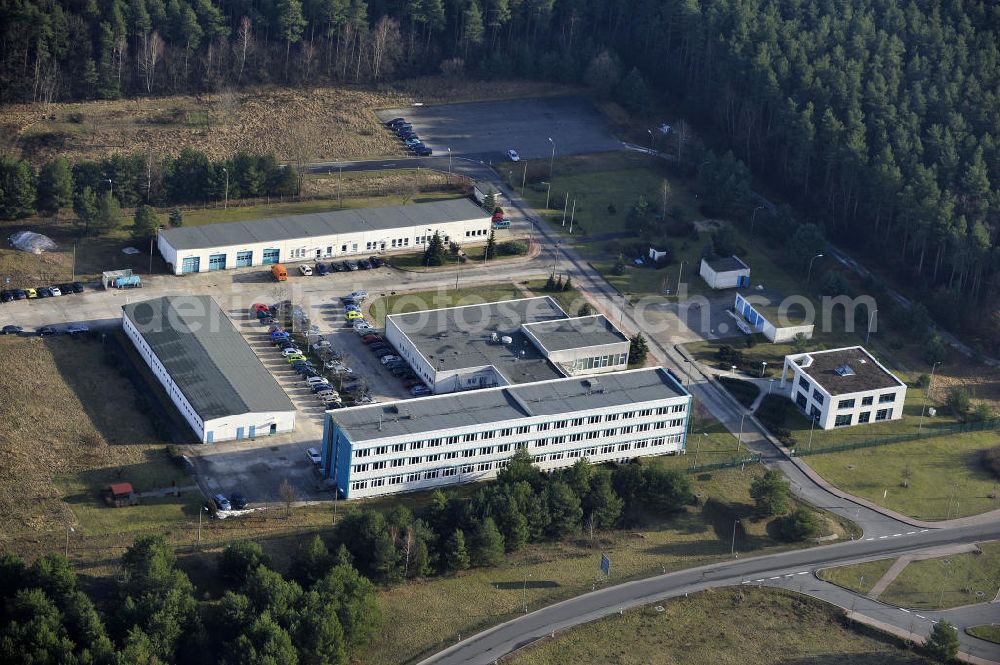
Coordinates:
[313,455]
[370,339]
[409,383]
[417,391]
[45,331]
[321,388]
[66,289]
[43,292]
[77,329]
[388,358]
[514,157]
[316,380]
[6,296]
[292,351]
[328,393]
[378,346]
[353,315]
[321,269]
[77,287]
[12,330]
[238,501]
[345,266]
[308,372]
[376,261]
[413,141]
[20,294]
[365,264]
[259,307]
[337,367]
[382,353]
[358,296]
[352,266]
[305,270]
[363,327]
[423,151]
[221,502]
[294,357]
[55,290]
[395,121]
[336,267]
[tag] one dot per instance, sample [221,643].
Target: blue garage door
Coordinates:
[217,262]
[244,259]
[271,256]
[191,264]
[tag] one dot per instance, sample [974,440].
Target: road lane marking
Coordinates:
[760,580]
[896,535]
[923,531]
[903,610]
[910,533]
[920,616]
[882,537]
[776,577]
[869,539]
[804,572]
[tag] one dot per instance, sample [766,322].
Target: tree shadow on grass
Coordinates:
[529,584]
[856,659]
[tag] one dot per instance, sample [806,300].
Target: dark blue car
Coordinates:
[322,269]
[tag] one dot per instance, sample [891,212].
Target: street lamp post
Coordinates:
[226,204]
[552,158]
[732,548]
[811,427]
[739,437]
[111,186]
[69,530]
[679,269]
[809,272]
[650,132]
[763,366]
[770,384]
[927,396]
[449,164]
[548,191]
[734,369]
[203,510]
[871,319]
[524,177]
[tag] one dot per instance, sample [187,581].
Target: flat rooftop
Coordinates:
[863,372]
[495,405]
[319,224]
[726,264]
[209,360]
[462,337]
[575,333]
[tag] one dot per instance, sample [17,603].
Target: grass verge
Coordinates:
[746,626]
[415,302]
[931,479]
[860,577]
[745,392]
[949,581]
[988,631]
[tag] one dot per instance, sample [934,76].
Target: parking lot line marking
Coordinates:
[882,537]
[869,539]
[760,580]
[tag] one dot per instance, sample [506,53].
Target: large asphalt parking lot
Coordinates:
[486,130]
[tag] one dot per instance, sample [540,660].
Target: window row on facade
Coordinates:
[597,362]
[847,419]
[540,427]
[846,403]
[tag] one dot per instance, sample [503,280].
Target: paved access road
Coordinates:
[785,569]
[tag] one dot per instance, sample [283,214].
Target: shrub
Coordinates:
[745,392]
[175,455]
[512,248]
[958,401]
[798,525]
[991,460]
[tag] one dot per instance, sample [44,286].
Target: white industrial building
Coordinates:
[206,367]
[504,343]
[728,272]
[457,438]
[777,327]
[323,235]
[843,387]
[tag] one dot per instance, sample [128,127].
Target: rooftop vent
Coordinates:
[844,370]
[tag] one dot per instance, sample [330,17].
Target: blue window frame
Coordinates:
[271,256]
[217,262]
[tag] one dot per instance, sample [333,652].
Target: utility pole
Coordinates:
[809,272]
[552,158]
[871,319]
[927,396]
[226,171]
[565,206]
[572,217]
[732,548]
[679,269]
[524,177]
[811,426]
[69,530]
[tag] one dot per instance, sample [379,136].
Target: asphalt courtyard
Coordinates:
[486,130]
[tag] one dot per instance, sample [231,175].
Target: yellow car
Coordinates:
[31,293]
[351,315]
[295,356]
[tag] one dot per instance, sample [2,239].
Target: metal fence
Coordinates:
[979,426]
[727,464]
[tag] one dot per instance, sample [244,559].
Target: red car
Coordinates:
[369,339]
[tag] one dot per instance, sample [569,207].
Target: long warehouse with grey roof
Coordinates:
[321,235]
[446,439]
[217,382]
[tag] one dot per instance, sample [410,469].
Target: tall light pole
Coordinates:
[739,437]
[226,204]
[811,427]
[809,272]
[753,218]
[524,177]
[202,510]
[871,319]
[111,186]
[679,269]
[69,530]
[449,164]
[927,396]
[763,366]
[552,157]
[732,548]
[650,132]
[548,191]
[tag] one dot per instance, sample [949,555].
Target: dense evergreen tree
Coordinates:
[55,186]
[456,556]
[17,188]
[771,493]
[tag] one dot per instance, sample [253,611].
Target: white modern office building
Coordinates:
[843,387]
[457,438]
[213,377]
[322,235]
[504,343]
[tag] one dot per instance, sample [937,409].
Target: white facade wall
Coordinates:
[729,279]
[863,407]
[467,454]
[788,333]
[590,359]
[340,245]
[222,429]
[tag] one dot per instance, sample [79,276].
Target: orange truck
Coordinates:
[279,273]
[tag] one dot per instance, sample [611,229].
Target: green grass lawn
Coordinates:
[945,475]
[989,632]
[949,581]
[860,577]
[235,213]
[570,301]
[474,258]
[425,616]
[746,626]
[415,302]
[596,182]
[745,392]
